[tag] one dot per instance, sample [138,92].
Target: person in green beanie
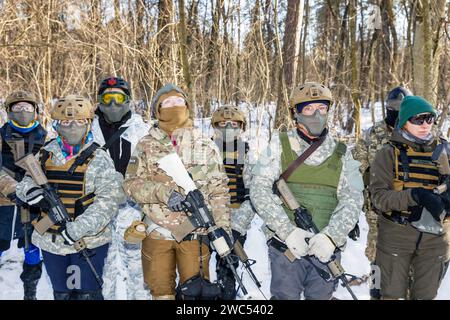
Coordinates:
[413,224]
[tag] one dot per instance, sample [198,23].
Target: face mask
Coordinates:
[391,117]
[227,134]
[314,124]
[114,112]
[72,134]
[22,118]
[173,118]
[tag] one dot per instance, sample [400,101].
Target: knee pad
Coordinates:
[32,255]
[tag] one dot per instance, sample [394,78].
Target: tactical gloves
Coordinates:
[237,236]
[321,246]
[429,200]
[68,240]
[296,242]
[12,197]
[35,196]
[175,202]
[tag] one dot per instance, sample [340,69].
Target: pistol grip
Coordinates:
[43,225]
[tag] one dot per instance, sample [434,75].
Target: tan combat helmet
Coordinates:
[72,107]
[309,91]
[230,113]
[20,96]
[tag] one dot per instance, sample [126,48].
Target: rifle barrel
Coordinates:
[238,279]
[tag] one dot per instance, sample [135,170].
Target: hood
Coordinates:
[398,138]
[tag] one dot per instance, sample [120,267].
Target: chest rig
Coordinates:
[69,182]
[234,167]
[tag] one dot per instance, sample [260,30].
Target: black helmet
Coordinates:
[395,97]
[114,82]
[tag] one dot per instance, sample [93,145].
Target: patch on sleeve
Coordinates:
[133,165]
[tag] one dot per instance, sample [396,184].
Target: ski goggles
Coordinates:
[108,97]
[68,123]
[429,118]
[173,101]
[310,109]
[229,123]
[22,106]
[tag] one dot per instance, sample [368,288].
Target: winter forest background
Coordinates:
[229,51]
[247,53]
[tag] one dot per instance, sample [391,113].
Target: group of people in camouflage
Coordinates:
[135,220]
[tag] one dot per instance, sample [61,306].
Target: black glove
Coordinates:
[430,201]
[35,197]
[12,197]
[237,236]
[175,202]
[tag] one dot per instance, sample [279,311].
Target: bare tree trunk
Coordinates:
[164,40]
[212,55]
[304,37]
[291,41]
[282,119]
[183,48]
[355,94]
[427,47]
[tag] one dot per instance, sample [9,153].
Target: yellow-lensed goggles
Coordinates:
[108,97]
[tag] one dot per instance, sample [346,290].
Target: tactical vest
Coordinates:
[68,181]
[413,169]
[234,168]
[33,141]
[314,187]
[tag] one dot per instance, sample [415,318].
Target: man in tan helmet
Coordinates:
[229,123]
[88,185]
[168,247]
[21,134]
[327,183]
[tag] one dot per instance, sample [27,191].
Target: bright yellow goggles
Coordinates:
[107,98]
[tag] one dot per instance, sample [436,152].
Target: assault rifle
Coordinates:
[57,211]
[304,221]
[199,215]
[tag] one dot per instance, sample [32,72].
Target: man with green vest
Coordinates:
[328,184]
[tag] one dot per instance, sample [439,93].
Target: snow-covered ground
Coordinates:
[353,259]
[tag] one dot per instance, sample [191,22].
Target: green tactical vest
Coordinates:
[314,187]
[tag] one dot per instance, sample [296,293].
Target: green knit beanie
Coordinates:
[411,106]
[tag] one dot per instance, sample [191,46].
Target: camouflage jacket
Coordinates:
[268,205]
[151,188]
[7,186]
[372,141]
[93,225]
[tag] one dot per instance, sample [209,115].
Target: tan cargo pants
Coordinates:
[161,259]
[401,248]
